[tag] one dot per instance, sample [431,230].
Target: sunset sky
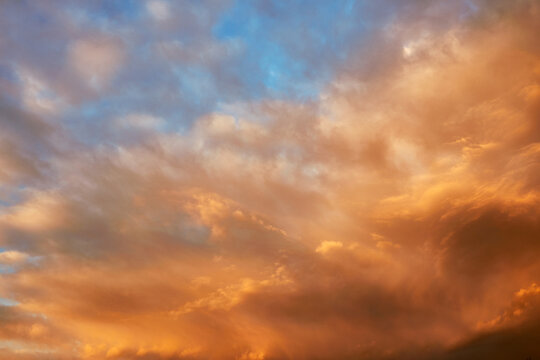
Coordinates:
[249,180]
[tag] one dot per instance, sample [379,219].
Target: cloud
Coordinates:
[38,97]
[393,216]
[12,257]
[508,334]
[96,59]
[328,246]
[142,121]
[159,10]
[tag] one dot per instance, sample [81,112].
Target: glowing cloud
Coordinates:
[162,197]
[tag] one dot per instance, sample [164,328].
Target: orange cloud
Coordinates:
[396,217]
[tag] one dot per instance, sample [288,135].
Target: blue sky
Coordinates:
[180,60]
[177,60]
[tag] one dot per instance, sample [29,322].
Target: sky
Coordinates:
[249,180]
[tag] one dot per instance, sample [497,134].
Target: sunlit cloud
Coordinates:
[162,197]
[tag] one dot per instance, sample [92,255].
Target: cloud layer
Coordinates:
[164,196]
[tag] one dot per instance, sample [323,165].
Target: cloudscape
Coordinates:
[272,180]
